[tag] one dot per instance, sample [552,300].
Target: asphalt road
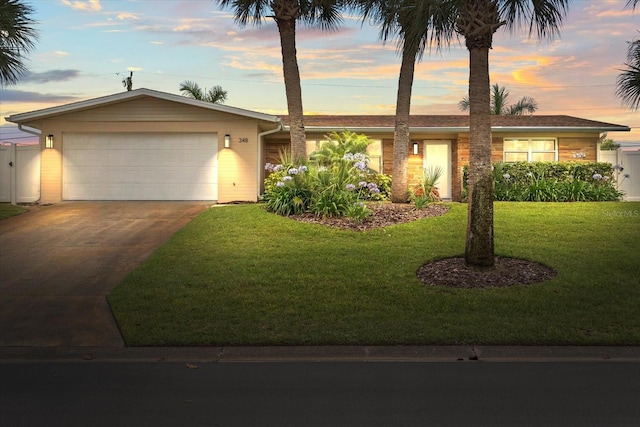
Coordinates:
[320,394]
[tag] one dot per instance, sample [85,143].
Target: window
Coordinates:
[374,150]
[530,150]
[313,145]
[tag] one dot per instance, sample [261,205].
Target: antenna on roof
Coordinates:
[128,81]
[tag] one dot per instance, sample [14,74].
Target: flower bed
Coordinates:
[552,182]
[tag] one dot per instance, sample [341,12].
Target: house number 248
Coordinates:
[243,140]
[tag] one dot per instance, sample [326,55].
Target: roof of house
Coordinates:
[458,123]
[135,94]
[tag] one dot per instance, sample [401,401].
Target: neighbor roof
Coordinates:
[130,95]
[453,123]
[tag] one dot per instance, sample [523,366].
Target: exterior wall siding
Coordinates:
[571,148]
[240,167]
[568,146]
[149,110]
[237,166]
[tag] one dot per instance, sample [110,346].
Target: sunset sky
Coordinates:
[86,48]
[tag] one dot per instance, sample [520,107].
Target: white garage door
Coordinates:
[134,166]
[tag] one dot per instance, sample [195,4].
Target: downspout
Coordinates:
[261,136]
[13,191]
[32,132]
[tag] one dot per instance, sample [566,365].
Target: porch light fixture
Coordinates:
[48,141]
[227,141]
[415,148]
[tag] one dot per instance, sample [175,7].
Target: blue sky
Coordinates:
[87,47]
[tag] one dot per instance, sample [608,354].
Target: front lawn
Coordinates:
[238,275]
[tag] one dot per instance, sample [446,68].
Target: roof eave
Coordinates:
[458,129]
[130,95]
[561,128]
[383,129]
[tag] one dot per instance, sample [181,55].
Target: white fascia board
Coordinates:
[497,129]
[388,129]
[138,93]
[560,129]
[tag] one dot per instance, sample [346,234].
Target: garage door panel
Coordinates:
[140,167]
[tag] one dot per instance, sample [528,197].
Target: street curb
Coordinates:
[263,354]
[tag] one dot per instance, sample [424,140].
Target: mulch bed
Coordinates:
[384,215]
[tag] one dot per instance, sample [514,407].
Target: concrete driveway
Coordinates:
[58,263]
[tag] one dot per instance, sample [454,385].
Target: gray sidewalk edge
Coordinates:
[258,354]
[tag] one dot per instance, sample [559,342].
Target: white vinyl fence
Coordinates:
[19,173]
[628,171]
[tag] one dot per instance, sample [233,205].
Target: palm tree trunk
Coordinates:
[400,173]
[479,250]
[287,30]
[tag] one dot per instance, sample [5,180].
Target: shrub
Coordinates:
[291,193]
[552,181]
[334,184]
[426,191]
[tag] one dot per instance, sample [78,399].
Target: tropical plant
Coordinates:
[477,21]
[427,191]
[414,25]
[324,14]
[17,38]
[335,185]
[629,81]
[192,90]
[499,107]
[554,182]
[338,144]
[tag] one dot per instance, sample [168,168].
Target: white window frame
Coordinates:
[375,159]
[529,149]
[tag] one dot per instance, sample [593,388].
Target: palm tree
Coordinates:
[629,81]
[215,95]
[499,107]
[17,38]
[414,25]
[477,21]
[321,13]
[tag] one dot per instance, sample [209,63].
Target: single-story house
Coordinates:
[443,140]
[150,145]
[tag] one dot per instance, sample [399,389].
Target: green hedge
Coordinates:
[552,182]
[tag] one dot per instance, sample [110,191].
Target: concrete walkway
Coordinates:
[58,263]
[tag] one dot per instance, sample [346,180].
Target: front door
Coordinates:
[438,153]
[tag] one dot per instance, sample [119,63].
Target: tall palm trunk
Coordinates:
[479,249]
[287,30]
[477,21]
[400,173]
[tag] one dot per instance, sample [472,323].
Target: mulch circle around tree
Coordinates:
[448,272]
[454,273]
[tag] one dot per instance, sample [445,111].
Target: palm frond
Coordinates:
[217,95]
[542,17]
[191,89]
[464,104]
[248,11]
[17,38]
[628,82]
[526,105]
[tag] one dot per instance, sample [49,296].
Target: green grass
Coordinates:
[238,275]
[7,210]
